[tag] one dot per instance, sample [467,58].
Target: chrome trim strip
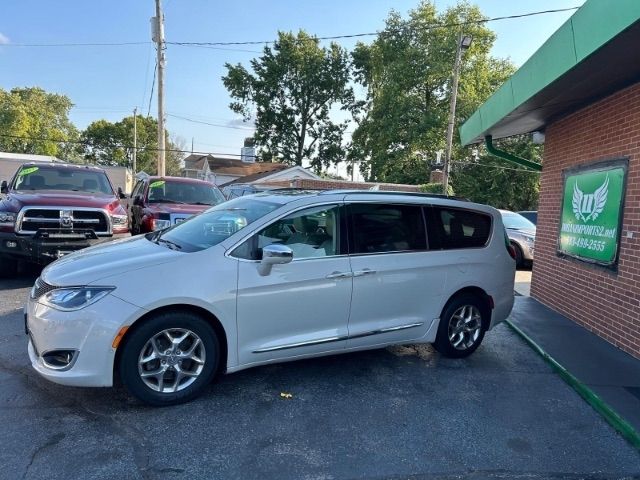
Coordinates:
[301,344]
[337,338]
[386,330]
[21,217]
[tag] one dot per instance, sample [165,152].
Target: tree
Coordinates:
[407,74]
[499,183]
[28,115]
[108,143]
[293,88]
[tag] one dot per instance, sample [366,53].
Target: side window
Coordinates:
[387,228]
[136,189]
[451,228]
[309,233]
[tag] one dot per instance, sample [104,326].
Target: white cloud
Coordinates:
[3,39]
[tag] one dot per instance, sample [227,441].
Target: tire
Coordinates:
[519,255]
[169,360]
[8,267]
[460,311]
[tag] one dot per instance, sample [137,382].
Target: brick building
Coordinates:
[581,91]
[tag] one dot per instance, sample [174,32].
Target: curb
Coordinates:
[623,427]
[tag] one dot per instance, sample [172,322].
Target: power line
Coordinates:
[94,44]
[264,42]
[368,34]
[117,145]
[210,124]
[153,83]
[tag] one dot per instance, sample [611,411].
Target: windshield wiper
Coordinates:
[165,200]
[169,243]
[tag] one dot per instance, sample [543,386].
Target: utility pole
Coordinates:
[135,140]
[464,41]
[158,38]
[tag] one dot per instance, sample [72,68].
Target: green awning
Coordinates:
[593,54]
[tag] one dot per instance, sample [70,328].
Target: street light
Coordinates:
[464,42]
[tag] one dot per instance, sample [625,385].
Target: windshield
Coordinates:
[68,179]
[214,225]
[166,191]
[516,221]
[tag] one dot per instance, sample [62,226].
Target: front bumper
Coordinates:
[46,246]
[90,332]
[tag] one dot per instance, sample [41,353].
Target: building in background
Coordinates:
[581,92]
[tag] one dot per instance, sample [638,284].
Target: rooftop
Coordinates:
[592,55]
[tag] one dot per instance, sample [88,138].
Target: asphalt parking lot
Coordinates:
[395,413]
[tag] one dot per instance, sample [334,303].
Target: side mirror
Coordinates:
[4,188]
[274,254]
[121,194]
[138,201]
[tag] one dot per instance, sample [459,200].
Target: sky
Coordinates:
[110,81]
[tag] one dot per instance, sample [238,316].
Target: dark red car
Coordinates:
[157,203]
[51,209]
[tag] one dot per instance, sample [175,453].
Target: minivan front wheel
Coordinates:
[169,359]
[461,328]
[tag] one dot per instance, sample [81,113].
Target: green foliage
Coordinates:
[435,187]
[407,72]
[499,183]
[291,91]
[108,143]
[34,114]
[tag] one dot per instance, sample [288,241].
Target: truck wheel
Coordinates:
[462,327]
[8,267]
[170,358]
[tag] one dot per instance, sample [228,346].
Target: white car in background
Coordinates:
[522,235]
[269,278]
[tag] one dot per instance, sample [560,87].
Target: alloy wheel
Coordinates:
[464,327]
[171,360]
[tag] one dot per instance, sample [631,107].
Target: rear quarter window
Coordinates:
[451,228]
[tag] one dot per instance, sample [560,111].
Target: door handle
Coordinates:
[362,273]
[339,275]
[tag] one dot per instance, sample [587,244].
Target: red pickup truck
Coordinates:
[157,203]
[50,209]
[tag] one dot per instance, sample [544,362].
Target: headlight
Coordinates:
[161,224]
[74,298]
[119,220]
[7,219]
[529,239]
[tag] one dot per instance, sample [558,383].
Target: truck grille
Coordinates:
[59,218]
[41,288]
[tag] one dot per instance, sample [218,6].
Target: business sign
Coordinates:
[592,208]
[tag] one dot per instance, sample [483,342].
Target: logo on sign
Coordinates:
[587,206]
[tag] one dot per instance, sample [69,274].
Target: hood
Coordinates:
[524,231]
[94,263]
[54,198]
[177,208]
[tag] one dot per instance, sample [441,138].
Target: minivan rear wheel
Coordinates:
[170,358]
[462,327]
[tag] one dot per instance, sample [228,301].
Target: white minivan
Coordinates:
[268,278]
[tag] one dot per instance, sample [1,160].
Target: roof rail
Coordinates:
[395,192]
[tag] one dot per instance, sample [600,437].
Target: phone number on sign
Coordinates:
[589,244]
